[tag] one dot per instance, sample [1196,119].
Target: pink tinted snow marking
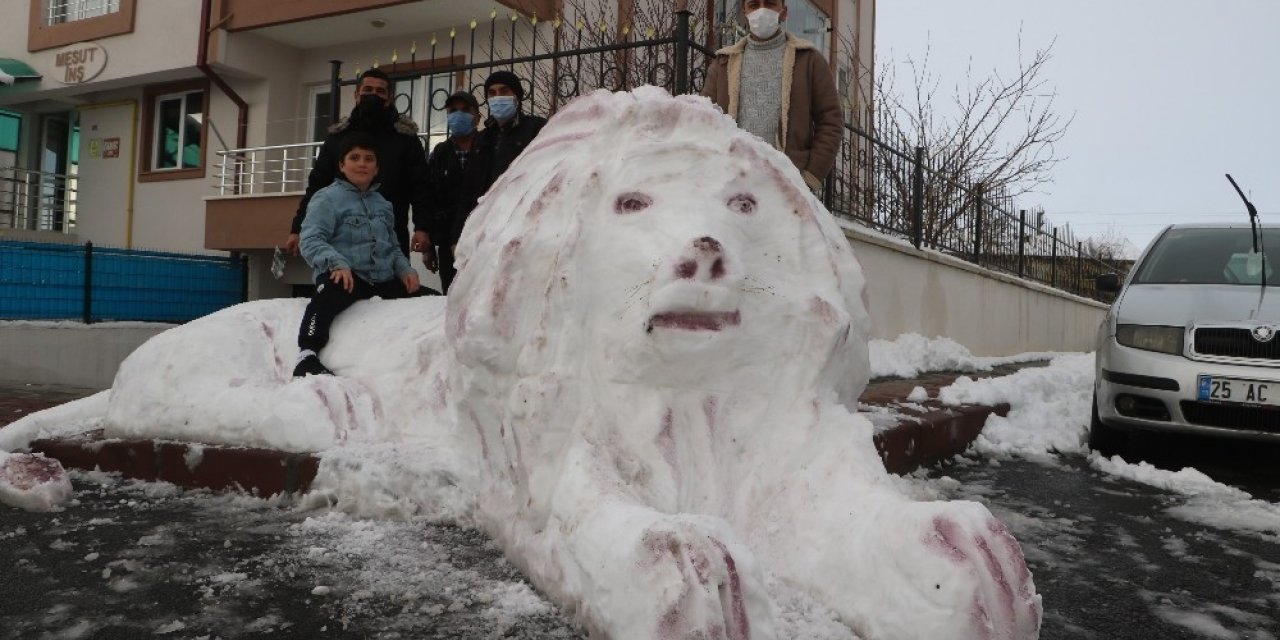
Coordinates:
[484,443]
[943,538]
[24,471]
[795,200]
[823,310]
[996,571]
[550,192]
[736,620]
[980,626]
[545,143]
[743,203]
[666,440]
[695,320]
[709,408]
[687,269]
[709,246]
[631,202]
[505,269]
[1013,553]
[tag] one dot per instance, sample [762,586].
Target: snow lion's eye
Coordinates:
[742,203]
[631,203]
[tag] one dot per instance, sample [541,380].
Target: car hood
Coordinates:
[1178,305]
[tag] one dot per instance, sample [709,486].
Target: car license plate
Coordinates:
[1236,390]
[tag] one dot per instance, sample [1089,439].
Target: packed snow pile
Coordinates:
[33,482]
[642,388]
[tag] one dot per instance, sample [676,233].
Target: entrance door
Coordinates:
[54,206]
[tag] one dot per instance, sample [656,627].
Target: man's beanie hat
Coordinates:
[506,77]
[464,96]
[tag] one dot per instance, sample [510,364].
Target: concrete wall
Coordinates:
[925,292]
[68,353]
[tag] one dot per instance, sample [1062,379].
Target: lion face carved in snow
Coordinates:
[658,336]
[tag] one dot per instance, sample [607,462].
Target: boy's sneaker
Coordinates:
[311,366]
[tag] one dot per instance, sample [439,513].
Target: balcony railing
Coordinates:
[265,170]
[37,201]
[269,170]
[61,11]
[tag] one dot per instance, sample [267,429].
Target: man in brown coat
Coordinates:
[779,87]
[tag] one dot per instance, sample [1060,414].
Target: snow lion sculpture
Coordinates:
[642,387]
[659,337]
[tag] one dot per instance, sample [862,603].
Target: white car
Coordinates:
[1191,342]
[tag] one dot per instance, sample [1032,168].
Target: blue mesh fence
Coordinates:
[45,281]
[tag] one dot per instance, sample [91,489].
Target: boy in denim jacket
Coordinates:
[348,238]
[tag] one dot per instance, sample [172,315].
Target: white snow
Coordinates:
[911,354]
[33,482]
[650,411]
[1049,413]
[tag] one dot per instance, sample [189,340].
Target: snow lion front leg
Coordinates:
[637,573]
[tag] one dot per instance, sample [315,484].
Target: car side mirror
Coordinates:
[1108,283]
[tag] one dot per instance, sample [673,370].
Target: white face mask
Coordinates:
[763,23]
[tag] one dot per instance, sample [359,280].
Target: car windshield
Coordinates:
[1210,256]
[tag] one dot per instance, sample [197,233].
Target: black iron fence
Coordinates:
[890,186]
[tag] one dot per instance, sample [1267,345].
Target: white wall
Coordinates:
[68,353]
[926,292]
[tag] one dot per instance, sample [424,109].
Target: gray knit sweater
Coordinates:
[760,100]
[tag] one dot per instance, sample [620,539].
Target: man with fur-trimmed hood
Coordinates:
[402,178]
[779,87]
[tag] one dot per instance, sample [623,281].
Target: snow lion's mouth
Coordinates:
[695,320]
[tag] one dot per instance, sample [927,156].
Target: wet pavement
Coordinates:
[129,559]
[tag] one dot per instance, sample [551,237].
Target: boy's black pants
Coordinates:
[330,299]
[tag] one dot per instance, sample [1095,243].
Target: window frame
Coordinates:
[151,99]
[41,36]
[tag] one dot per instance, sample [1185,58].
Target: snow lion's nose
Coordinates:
[703,261]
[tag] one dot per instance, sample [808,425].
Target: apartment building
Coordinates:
[190,125]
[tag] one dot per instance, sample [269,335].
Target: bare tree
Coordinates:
[992,138]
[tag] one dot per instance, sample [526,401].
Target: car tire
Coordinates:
[1109,441]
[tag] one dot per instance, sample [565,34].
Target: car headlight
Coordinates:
[1148,338]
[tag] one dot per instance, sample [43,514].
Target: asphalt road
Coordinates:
[1113,559]
[1118,560]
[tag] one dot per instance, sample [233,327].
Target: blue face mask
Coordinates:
[502,108]
[461,123]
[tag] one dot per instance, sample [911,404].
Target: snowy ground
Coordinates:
[216,576]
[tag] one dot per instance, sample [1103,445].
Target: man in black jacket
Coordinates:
[451,168]
[506,133]
[402,174]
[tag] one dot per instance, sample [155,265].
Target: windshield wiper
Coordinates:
[1253,222]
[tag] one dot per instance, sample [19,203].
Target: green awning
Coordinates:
[13,70]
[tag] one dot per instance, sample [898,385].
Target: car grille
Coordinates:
[1235,343]
[1232,416]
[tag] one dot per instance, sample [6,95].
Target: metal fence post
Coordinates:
[1080,266]
[917,199]
[244,278]
[88,283]
[335,99]
[1022,243]
[1053,264]
[682,47]
[977,224]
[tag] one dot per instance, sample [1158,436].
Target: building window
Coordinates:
[318,116]
[173,144]
[63,11]
[177,139]
[10,128]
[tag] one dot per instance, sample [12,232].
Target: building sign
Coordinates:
[111,147]
[95,148]
[79,62]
